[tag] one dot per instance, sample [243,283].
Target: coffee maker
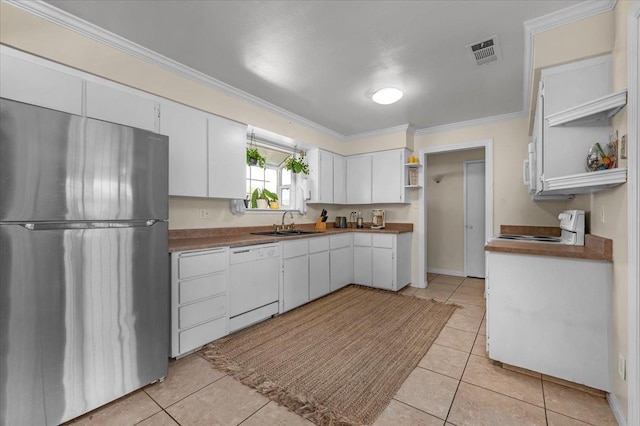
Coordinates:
[377,221]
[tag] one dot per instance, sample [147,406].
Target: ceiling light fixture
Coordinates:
[387,95]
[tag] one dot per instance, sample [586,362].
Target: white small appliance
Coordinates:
[572,225]
[377,221]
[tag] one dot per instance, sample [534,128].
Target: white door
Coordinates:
[474,219]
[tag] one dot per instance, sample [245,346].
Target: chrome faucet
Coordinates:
[292,224]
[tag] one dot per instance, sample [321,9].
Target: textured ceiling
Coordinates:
[322,59]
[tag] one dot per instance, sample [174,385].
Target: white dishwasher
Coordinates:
[254,273]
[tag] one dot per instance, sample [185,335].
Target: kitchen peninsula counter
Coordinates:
[196,239]
[595,248]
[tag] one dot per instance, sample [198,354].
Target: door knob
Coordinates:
[469,226]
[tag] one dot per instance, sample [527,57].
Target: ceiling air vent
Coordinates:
[484,52]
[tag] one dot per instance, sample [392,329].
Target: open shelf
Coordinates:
[413,165]
[412,186]
[597,109]
[585,183]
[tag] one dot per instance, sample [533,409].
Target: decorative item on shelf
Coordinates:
[254,158]
[262,198]
[601,158]
[414,160]
[296,164]
[413,176]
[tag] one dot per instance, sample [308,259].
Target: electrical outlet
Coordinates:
[204,213]
[622,366]
[602,213]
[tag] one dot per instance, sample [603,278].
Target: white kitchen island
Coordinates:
[550,314]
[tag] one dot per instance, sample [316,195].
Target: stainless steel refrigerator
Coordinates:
[84,282]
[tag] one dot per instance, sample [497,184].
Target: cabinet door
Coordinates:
[121,107]
[27,82]
[387,181]
[227,159]
[339,179]
[341,262]
[359,180]
[383,268]
[296,281]
[320,176]
[187,131]
[319,275]
[362,265]
[326,177]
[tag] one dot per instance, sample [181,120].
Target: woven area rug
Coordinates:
[338,360]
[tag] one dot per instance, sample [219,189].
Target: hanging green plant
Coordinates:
[296,164]
[254,158]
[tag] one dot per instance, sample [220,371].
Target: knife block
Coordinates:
[320,225]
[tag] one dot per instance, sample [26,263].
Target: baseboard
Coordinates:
[446,272]
[615,408]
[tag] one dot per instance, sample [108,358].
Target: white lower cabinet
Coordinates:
[319,267]
[551,315]
[199,298]
[382,260]
[362,258]
[295,274]
[341,260]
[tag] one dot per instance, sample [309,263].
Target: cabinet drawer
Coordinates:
[339,241]
[382,240]
[295,248]
[202,311]
[198,288]
[202,334]
[318,244]
[201,263]
[362,240]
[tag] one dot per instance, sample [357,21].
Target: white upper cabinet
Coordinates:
[359,179]
[122,107]
[576,105]
[320,176]
[206,153]
[227,159]
[388,177]
[188,162]
[339,179]
[35,84]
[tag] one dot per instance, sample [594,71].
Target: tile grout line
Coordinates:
[544,401]
[463,370]
[252,414]
[186,396]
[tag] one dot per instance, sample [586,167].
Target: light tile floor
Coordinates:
[454,384]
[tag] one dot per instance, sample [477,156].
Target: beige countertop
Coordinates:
[595,248]
[196,239]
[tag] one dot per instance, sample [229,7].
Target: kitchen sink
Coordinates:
[299,231]
[286,233]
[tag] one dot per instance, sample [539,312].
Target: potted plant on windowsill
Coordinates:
[261,198]
[255,158]
[296,164]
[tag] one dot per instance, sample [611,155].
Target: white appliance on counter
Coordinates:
[254,276]
[571,223]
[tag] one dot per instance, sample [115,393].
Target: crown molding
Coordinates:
[71,22]
[66,20]
[388,130]
[469,123]
[548,22]
[568,15]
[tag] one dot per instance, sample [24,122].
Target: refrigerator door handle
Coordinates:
[48,226]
